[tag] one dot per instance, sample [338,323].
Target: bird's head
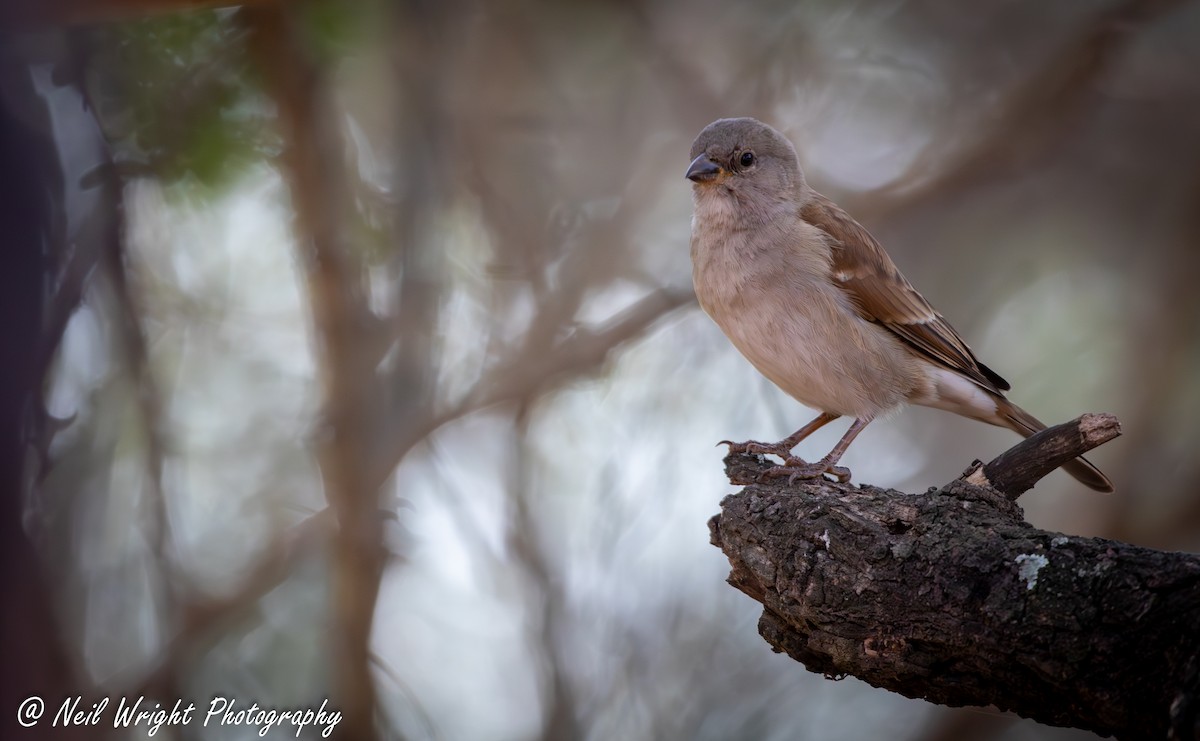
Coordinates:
[746,159]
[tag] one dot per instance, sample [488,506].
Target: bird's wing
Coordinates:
[882,295]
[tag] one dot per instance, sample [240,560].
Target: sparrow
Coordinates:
[810,298]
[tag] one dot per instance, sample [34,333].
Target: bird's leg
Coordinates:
[783,448]
[795,468]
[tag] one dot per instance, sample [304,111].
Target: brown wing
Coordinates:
[881,294]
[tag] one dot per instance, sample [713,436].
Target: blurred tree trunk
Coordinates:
[36,661]
[314,171]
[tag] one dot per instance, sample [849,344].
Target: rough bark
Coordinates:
[952,597]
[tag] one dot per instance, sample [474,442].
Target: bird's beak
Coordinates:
[703,170]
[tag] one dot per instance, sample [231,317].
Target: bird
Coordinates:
[814,302]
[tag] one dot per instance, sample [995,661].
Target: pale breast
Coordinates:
[768,291]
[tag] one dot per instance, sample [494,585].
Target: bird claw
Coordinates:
[841,473]
[756,448]
[797,469]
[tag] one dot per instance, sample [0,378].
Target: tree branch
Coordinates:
[313,168]
[952,597]
[1016,470]
[518,376]
[202,621]
[1028,120]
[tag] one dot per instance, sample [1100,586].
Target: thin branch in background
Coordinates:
[419,709]
[149,403]
[521,375]
[421,54]
[560,718]
[1034,116]
[518,377]
[201,622]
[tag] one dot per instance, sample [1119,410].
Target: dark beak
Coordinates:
[702,169]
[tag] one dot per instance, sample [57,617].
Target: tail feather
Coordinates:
[1025,424]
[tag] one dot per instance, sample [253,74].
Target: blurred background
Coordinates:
[350,349]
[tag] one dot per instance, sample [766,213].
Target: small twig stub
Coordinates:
[1016,470]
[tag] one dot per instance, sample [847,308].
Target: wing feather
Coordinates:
[883,295]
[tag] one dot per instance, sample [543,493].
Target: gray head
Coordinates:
[747,159]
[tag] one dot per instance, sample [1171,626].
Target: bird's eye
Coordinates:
[746,159]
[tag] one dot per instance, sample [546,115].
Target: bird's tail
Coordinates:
[1025,424]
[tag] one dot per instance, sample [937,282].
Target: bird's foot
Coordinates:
[797,469]
[756,448]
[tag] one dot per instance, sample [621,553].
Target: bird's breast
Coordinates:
[769,291]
